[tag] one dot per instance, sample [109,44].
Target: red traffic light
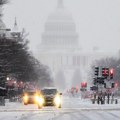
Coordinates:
[116,85]
[105,72]
[84,84]
[111,71]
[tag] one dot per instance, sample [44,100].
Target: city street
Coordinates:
[72,109]
[59,60]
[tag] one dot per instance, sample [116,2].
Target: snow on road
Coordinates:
[73,115]
[72,109]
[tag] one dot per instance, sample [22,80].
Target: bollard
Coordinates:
[98,100]
[116,101]
[2,101]
[92,101]
[103,101]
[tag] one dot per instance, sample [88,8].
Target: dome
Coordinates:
[60,30]
[61,14]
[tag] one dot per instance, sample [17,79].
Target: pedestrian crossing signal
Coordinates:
[96,71]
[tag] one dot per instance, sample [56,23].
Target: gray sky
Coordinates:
[97,21]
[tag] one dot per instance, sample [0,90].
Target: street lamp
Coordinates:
[8,78]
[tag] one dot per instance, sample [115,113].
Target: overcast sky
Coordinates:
[97,21]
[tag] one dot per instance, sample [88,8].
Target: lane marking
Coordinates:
[63,110]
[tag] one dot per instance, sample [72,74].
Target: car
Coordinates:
[3,91]
[3,94]
[31,97]
[50,97]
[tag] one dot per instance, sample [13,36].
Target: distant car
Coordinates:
[30,97]
[3,91]
[3,94]
[50,97]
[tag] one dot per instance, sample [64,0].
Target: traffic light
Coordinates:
[113,85]
[96,71]
[105,72]
[116,85]
[83,84]
[111,73]
[94,81]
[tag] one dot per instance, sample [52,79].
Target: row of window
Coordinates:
[67,60]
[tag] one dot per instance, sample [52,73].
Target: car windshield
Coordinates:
[49,91]
[31,93]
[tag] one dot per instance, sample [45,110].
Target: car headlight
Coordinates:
[57,100]
[41,100]
[36,98]
[25,98]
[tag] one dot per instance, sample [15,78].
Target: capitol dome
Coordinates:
[60,14]
[60,30]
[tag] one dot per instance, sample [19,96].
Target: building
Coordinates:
[60,49]
[60,30]
[15,33]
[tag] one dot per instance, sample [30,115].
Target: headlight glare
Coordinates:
[57,100]
[25,98]
[41,100]
[36,98]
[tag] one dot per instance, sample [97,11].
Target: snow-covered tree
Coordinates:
[16,60]
[2,2]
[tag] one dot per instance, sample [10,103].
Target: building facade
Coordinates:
[60,49]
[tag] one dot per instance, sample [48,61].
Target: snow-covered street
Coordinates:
[72,109]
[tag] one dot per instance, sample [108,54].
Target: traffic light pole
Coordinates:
[103,76]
